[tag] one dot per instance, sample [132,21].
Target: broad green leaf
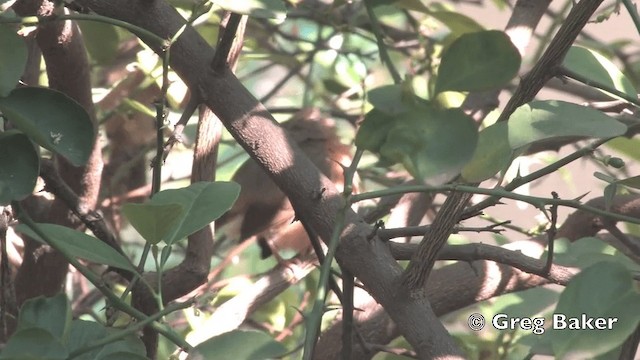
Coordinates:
[432,144]
[266,9]
[492,154]
[632,182]
[394,99]
[128,348]
[239,345]
[122,355]
[53,120]
[478,61]
[373,131]
[604,290]
[588,251]
[102,41]
[11,62]
[540,120]
[20,166]
[51,314]
[33,344]
[626,146]
[80,245]
[456,22]
[596,67]
[202,202]
[536,121]
[83,333]
[154,222]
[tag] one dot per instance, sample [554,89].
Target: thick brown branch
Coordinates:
[68,71]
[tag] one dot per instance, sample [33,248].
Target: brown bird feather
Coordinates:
[262,209]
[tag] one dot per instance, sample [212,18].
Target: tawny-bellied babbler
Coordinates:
[262,209]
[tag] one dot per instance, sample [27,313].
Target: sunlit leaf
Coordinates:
[615,298]
[202,203]
[154,222]
[596,67]
[431,143]
[492,154]
[478,61]
[540,120]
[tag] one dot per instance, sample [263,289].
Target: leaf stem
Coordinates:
[118,303]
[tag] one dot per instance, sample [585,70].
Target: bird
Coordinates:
[262,210]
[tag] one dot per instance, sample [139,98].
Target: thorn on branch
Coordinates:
[551,234]
[378,225]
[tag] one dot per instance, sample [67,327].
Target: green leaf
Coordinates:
[128,348]
[628,147]
[591,65]
[51,314]
[202,203]
[373,131]
[609,193]
[478,61]
[456,22]
[122,355]
[540,120]
[239,345]
[12,62]
[535,121]
[588,251]
[20,166]
[422,141]
[604,290]
[80,245]
[102,41]
[265,9]
[632,182]
[83,333]
[492,154]
[53,120]
[153,221]
[392,99]
[33,344]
